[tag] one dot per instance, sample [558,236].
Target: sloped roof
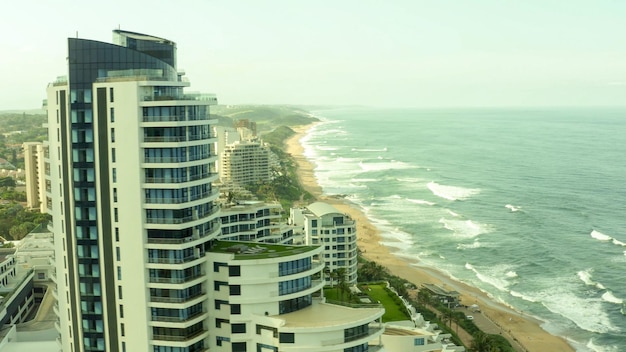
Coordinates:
[320,209]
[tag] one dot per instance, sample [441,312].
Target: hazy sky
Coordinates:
[439,53]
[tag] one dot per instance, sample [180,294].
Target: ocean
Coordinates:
[529,205]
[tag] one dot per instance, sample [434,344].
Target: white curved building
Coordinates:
[266,300]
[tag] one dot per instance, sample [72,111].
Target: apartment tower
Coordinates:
[131,163]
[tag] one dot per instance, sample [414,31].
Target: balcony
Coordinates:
[173,260]
[179,200]
[157,299]
[178,337]
[175,280]
[171,319]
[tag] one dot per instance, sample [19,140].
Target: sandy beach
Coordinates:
[523,331]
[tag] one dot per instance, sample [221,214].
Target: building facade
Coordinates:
[131,165]
[255,221]
[322,224]
[34,167]
[245,162]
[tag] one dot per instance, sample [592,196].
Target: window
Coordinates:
[112,115]
[287,337]
[235,309]
[239,328]
[239,347]
[418,341]
[234,271]
[235,290]
[111,95]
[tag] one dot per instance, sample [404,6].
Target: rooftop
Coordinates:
[320,209]
[255,250]
[325,315]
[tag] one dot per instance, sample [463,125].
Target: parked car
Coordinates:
[469,317]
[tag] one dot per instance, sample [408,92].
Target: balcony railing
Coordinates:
[178,179]
[175,280]
[175,299]
[171,319]
[178,200]
[178,337]
[172,260]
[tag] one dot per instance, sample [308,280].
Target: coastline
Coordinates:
[524,331]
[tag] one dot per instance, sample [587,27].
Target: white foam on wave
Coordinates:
[585,276]
[619,243]
[452,213]
[513,208]
[473,245]
[409,179]
[563,296]
[600,236]
[319,147]
[364,180]
[595,348]
[606,238]
[420,201]
[511,274]
[369,150]
[392,165]
[403,239]
[465,228]
[609,297]
[451,192]
[500,284]
[522,296]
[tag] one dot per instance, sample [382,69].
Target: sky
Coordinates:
[394,53]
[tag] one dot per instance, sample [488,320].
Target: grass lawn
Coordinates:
[377,293]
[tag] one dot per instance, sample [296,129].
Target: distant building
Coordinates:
[449,298]
[29,296]
[36,184]
[322,224]
[245,162]
[255,221]
[247,124]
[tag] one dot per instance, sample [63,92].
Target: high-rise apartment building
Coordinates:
[34,166]
[131,164]
[245,162]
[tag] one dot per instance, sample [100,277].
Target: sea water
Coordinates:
[529,205]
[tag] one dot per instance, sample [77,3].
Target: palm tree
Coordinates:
[342,285]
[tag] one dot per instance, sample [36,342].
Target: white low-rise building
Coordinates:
[265,299]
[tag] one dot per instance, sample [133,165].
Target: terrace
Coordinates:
[254,250]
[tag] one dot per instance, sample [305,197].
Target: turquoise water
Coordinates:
[528,205]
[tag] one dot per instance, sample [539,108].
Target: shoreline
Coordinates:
[524,331]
